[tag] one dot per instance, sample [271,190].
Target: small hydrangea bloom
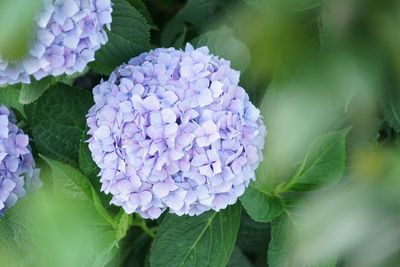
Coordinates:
[173,130]
[17,166]
[68,33]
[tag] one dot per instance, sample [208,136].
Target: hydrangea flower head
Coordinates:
[17,166]
[173,130]
[68,33]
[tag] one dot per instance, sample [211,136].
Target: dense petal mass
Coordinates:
[173,130]
[17,166]
[68,33]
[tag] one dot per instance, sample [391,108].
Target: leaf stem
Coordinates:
[141,223]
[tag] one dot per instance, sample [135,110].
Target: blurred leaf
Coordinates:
[31,92]
[323,163]
[260,205]
[15,238]
[205,240]
[282,229]
[391,108]
[57,121]
[42,230]
[293,5]
[128,37]
[72,183]
[78,212]
[9,97]
[338,222]
[107,246]
[222,42]
[293,106]
[238,259]
[17,26]
[46,229]
[280,246]
[356,221]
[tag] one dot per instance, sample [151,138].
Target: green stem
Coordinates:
[286,186]
[141,223]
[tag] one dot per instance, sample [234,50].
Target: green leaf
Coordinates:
[222,42]
[91,170]
[142,8]
[323,165]
[106,247]
[291,5]
[180,40]
[124,222]
[86,163]
[100,231]
[238,259]
[205,240]
[46,229]
[72,183]
[199,12]
[9,97]
[195,15]
[278,249]
[57,120]
[128,37]
[260,205]
[15,237]
[31,92]
[135,249]
[173,34]
[252,236]
[391,107]
[281,247]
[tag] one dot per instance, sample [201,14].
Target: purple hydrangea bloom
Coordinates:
[17,166]
[173,129]
[68,33]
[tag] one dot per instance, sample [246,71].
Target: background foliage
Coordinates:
[325,77]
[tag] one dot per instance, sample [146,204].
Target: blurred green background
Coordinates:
[325,75]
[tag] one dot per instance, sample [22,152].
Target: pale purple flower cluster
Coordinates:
[68,33]
[17,166]
[173,129]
